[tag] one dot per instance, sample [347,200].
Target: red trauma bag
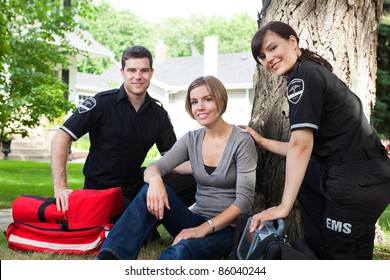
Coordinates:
[39,226]
[50,237]
[35,209]
[86,208]
[89,208]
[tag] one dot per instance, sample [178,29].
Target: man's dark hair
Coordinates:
[136,52]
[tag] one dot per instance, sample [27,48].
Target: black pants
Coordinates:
[340,204]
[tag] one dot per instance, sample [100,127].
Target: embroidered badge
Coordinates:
[88,104]
[295,90]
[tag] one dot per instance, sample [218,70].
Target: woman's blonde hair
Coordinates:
[216,89]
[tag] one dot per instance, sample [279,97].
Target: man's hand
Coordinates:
[62,198]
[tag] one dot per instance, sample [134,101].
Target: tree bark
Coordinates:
[344,33]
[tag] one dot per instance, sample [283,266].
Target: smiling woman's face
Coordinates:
[203,106]
[278,54]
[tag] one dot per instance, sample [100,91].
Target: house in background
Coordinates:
[76,80]
[169,84]
[90,84]
[172,77]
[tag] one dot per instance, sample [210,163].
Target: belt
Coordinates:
[352,155]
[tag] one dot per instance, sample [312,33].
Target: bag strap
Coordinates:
[35,225]
[262,246]
[41,210]
[47,201]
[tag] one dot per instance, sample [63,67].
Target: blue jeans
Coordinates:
[128,234]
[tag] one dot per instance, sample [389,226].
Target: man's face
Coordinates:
[137,75]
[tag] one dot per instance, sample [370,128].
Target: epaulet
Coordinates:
[108,92]
[156,101]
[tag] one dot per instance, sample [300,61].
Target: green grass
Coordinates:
[24,177]
[150,252]
[384,222]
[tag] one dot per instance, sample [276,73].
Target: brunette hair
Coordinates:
[284,31]
[136,52]
[216,89]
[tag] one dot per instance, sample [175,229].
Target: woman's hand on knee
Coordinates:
[188,233]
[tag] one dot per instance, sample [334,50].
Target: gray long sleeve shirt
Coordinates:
[233,180]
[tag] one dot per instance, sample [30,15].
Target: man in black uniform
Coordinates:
[123,124]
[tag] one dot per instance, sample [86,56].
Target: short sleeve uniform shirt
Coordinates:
[120,137]
[320,101]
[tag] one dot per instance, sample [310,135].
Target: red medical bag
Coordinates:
[39,226]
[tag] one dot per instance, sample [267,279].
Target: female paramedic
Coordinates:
[335,162]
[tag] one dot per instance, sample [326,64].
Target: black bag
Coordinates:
[269,243]
[275,247]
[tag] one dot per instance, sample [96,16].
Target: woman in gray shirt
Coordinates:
[223,161]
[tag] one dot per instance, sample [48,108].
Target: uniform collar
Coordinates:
[122,95]
[295,68]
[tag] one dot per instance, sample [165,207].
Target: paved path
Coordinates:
[5,219]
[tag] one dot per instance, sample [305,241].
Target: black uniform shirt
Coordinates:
[319,100]
[120,137]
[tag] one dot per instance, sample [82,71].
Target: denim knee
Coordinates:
[176,252]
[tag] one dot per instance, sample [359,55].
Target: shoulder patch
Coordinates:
[295,90]
[87,105]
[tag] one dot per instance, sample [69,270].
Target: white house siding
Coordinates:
[238,110]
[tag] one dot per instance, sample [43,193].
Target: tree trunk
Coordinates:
[343,32]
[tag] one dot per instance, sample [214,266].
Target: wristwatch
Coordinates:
[212,225]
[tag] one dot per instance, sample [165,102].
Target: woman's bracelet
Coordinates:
[212,225]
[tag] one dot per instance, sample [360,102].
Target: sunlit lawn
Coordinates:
[24,177]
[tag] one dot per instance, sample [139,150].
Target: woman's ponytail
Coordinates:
[309,55]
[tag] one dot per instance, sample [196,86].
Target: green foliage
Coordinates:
[182,35]
[96,65]
[380,117]
[118,30]
[4,40]
[115,29]
[34,43]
